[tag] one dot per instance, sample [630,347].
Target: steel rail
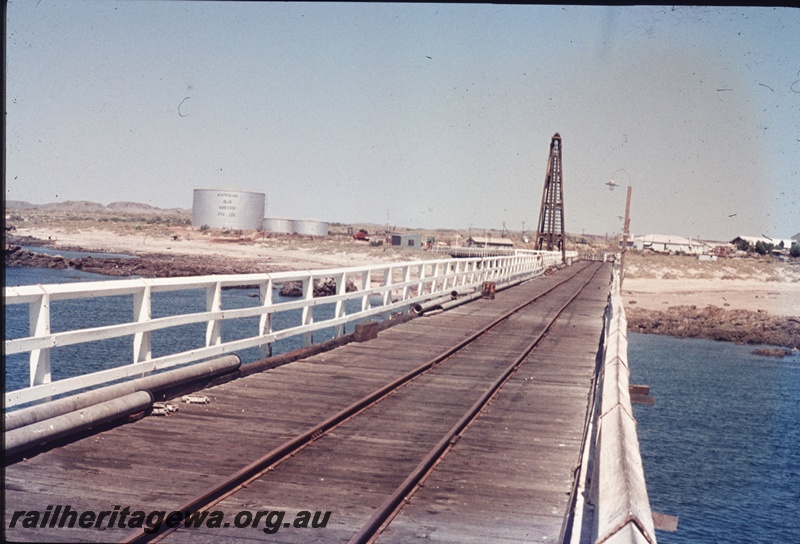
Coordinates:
[392,506]
[269,461]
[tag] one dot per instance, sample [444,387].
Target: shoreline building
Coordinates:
[488,241]
[662,243]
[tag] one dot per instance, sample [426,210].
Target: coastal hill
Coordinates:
[88,206]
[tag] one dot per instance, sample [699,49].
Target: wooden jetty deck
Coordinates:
[507,479]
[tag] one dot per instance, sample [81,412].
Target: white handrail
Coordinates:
[611,502]
[490,251]
[622,507]
[397,284]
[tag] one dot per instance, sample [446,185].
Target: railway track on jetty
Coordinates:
[370,457]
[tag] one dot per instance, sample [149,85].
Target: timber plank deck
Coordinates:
[159,463]
[512,471]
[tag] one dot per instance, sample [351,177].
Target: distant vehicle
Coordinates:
[361,235]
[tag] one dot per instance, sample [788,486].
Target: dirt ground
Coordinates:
[173,235]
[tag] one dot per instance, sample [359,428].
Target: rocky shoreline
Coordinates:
[144,265]
[162,266]
[715,323]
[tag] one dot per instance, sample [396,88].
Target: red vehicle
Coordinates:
[361,235]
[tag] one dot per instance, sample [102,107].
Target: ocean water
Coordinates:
[721,446]
[68,361]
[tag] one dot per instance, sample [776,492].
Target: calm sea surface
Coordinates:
[721,446]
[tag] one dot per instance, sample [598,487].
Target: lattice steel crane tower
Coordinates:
[550,234]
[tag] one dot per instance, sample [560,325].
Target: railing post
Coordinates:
[265,320]
[307,317]
[421,277]
[142,311]
[366,277]
[387,283]
[39,313]
[341,289]
[406,279]
[213,304]
[435,283]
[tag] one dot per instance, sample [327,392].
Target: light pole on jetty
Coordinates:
[626,226]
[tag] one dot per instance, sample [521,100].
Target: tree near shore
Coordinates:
[743,245]
[762,248]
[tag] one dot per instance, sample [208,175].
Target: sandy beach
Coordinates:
[754,295]
[655,282]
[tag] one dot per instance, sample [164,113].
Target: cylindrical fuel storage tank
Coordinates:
[310,227]
[228,209]
[273,224]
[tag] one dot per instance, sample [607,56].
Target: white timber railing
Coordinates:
[380,288]
[475,251]
[612,505]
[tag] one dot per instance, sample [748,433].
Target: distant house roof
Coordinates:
[753,240]
[796,237]
[489,241]
[668,240]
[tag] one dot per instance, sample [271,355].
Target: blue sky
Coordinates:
[419,115]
